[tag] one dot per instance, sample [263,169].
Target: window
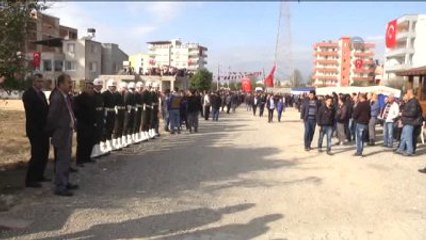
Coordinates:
[71,47]
[92,67]
[69,66]
[58,65]
[47,65]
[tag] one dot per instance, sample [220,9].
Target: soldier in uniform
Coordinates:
[99,148]
[119,119]
[155,109]
[109,106]
[85,113]
[129,114]
[147,107]
[139,108]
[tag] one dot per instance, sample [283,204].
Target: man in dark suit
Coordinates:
[60,125]
[85,112]
[36,109]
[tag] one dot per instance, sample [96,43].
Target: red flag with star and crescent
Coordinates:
[391,34]
[269,80]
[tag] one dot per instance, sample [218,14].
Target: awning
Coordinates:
[418,71]
[51,42]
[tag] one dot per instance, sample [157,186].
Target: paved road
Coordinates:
[240,178]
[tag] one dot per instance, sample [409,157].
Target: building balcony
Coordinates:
[319,69]
[402,35]
[193,53]
[324,61]
[362,78]
[325,77]
[396,67]
[363,70]
[364,54]
[326,53]
[399,52]
[326,45]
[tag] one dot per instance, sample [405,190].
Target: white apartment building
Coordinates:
[191,56]
[410,50]
[335,63]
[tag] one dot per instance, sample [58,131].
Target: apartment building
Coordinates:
[342,63]
[82,59]
[140,63]
[175,53]
[408,49]
[112,58]
[44,36]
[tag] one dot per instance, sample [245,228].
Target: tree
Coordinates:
[296,79]
[202,80]
[14,18]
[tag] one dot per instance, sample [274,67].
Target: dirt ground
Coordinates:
[239,178]
[14,145]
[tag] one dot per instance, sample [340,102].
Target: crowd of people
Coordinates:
[129,114]
[355,117]
[107,121]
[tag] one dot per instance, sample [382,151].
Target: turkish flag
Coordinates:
[246,84]
[391,34]
[358,63]
[36,59]
[269,80]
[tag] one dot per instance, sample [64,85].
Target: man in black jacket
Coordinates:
[194,106]
[85,113]
[36,109]
[326,119]
[412,117]
[361,116]
[216,103]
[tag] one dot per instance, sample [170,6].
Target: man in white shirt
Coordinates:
[389,114]
[206,105]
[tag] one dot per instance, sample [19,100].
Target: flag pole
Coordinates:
[218,78]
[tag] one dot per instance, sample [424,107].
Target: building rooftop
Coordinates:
[160,42]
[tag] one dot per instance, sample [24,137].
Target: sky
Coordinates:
[240,36]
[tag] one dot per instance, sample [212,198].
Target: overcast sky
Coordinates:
[241,35]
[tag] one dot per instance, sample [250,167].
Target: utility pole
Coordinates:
[218,77]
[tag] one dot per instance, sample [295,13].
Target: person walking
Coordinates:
[206,105]
[194,106]
[412,116]
[173,107]
[361,115]
[389,115]
[262,103]
[256,100]
[270,105]
[375,110]
[216,103]
[308,113]
[280,107]
[61,123]
[326,118]
[341,119]
[36,110]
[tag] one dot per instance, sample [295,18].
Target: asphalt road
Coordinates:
[239,178]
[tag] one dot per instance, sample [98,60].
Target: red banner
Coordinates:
[269,80]
[36,59]
[391,34]
[246,84]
